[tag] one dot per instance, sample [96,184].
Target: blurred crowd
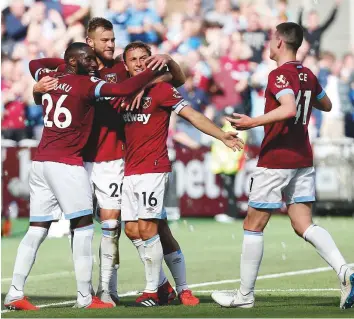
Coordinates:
[221,45]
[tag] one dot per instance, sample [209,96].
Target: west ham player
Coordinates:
[104,152]
[285,167]
[58,180]
[147,168]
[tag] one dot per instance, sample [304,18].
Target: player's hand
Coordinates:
[45,84]
[135,103]
[231,140]
[338,2]
[241,122]
[157,61]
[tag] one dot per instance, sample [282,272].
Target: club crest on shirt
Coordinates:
[281,82]
[176,94]
[111,78]
[146,102]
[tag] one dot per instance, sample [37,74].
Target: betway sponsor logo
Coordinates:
[131,117]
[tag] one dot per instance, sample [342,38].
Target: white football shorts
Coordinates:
[143,196]
[268,186]
[56,188]
[106,181]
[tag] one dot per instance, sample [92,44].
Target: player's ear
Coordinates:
[89,41]
[280,41]
[126,68]
[72,62]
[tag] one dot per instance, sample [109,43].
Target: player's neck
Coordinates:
[103,63]
[70,70]
[286,57]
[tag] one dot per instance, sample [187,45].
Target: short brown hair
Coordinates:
[136,45]
[98,22]
[292,33]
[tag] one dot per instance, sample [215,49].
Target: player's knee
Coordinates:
[131,229]
[108,214]
[255,223]
[299,229]
[110,228]
[148,228]
[81,221]
[45,225]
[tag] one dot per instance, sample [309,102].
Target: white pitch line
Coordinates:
[273,290]
[210,283]
[44,276]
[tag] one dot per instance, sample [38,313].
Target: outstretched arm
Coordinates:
[158,61]
[125,88]
[46,63]
[286,110]
[206,126]
[330,19]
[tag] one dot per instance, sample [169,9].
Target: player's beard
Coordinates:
[82,70]
[104,60]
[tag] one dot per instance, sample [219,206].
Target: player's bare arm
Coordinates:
[203,124]
[324,104]
[160,60]
[45,84]
[286,110]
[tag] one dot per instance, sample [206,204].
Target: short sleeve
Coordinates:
[280,83]
[94,87]
[42,72]
[171,98]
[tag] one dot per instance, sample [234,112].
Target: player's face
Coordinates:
[86,62]
[274,45]
[102,42]
[135,61]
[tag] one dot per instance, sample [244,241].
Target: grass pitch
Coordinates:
[293,280]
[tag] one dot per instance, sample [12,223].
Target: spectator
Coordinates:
[191,39]
[258,83]
[144,24]
[345,87]
[75,11]
[333,122]
[119,14]
[255,36]
[232,78]
[281,11]
[16,19]
[49,24]
[199,100]
[314,31]
[13,121]
[221,14]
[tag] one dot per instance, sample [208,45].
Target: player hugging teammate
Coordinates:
[88,126]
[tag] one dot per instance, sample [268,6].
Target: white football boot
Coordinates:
[233,299]
[347,290]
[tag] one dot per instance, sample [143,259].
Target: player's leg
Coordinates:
[153,256]
[131,229]
[300,194]
[151,189]
[107,178]
[266,187]
[43,208]
[71,186]
[175,261]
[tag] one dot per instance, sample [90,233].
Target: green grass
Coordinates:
[212,253]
